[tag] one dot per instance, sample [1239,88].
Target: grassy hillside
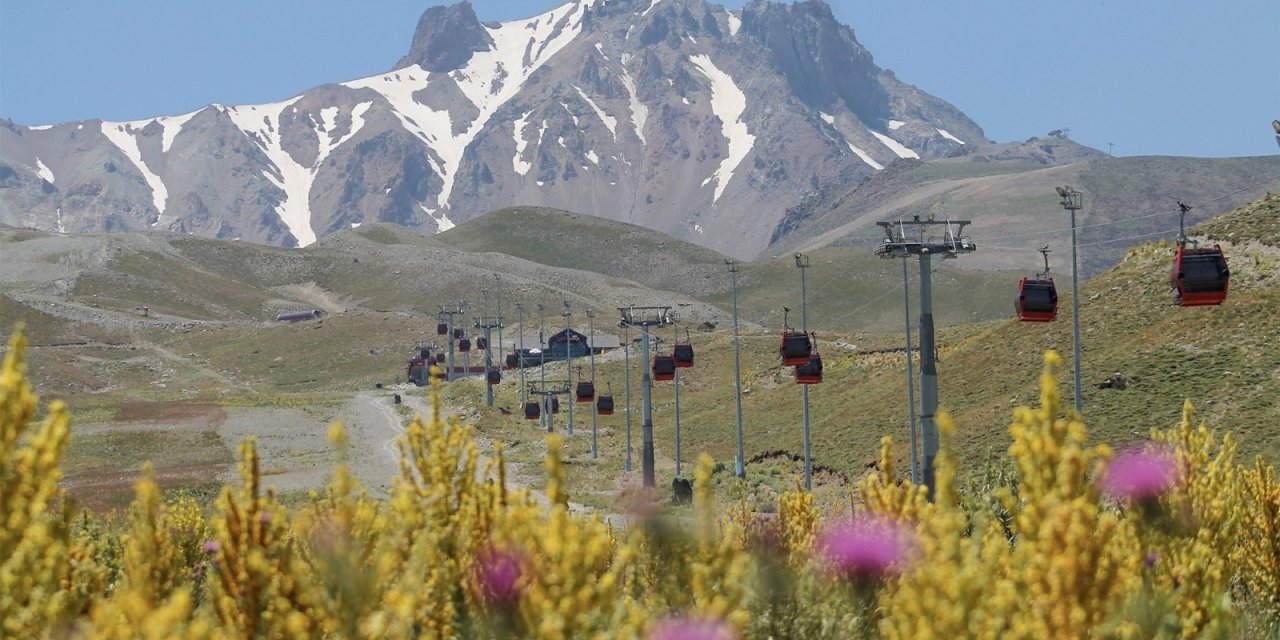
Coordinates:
[1014,208]
[587,243]
[1222,359]
[219,347]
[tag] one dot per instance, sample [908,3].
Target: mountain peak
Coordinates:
[445,38]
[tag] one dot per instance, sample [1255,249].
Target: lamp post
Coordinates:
[802,262]
[568,363]
[741,467]
[524,397]
[591,350]
[626,366]
[1072,201]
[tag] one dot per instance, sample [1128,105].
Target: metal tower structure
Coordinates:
[904,239]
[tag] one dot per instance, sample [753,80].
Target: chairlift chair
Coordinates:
[531,411]
[1199,277]
[664,368]
[493,376]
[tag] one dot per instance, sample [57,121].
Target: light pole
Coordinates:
[675,338]
[524,394]
[568,363]
[591,351]
[542,368]
[626,366]
[1072,201]
[741,467]
[802,262]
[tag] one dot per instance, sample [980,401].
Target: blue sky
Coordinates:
[1177,77]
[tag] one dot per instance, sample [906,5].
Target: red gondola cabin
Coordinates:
[1037,300]
[683,355]
[604,405]
[811,371]
[795,348]
[664,368]
[586,391]
[493,377]
[1199,276]
[531,411]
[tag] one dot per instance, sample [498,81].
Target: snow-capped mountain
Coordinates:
[678,115]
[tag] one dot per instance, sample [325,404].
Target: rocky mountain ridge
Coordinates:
[678,115]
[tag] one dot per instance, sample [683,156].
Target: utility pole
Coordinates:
[591,320]
[1073,201]
[897,244]
[802,263]
[542,356]
[740,465]
[645,317]
[675,339]
[524,396]
[568,361]
[497,287]
[626,366]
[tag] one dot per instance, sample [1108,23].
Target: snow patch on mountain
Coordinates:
[639,112]
[827,118]
[865,156]
[950,137]
[172,125]
[518,164]
[44,171]
[735,23]
[895,146]
[489,80]
[652,4]
[418,119]
[728,102]
[608,120]
[122,135]
[261,123]
[894,125]
[40,127]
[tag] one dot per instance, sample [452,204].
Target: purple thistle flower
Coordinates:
[210,546]
[693,629]
[498,574]
[866,548]
[1141,474]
